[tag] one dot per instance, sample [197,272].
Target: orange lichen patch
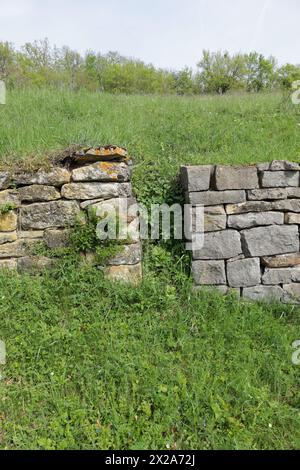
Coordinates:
[106,153]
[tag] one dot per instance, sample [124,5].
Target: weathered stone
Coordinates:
[284,165]
[209,272]
[267,194]
[196,178]
[280,179]
[8,237]
[102,171]
[289,205]
[38,193]
[220,245]
[281,276]
[251,206]
[15,249]
[214,210]
[9,196]
[293,192]
[4,179]
[263,167]
[54,177]
[254,219]
[215,198]
[129,255]
[291,293]
[34,264]
[125,274]
[8,222]
[31,234]
[291,218]
[83,191]
[86,204]
[56,214]
[244,273]
[272,240]
[8,264]
[282,261]
[56,238]
[233,177]
[263,293]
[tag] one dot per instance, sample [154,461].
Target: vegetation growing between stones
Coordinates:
[6,208]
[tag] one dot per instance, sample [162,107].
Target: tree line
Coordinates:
[40,64]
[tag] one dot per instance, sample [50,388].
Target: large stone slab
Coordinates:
[291,293]
[196,178]
[244,272]
[255,219]
[102,171]
[82,191]
[281,276]
[234,177]
[34,264]
[38,193]
[131,274]
[284,165]
[8,264]
[209,272]
[56,238]
[291,218]
[267,194]
[129,255]
[289,205]
[8,237]
[4,179]
[215,198]
[264,293]
[56,214]
[272,240]
[220,245]
[280,179]
[281,261]
[54,177]
[9,196]
[16,249]
[8,222]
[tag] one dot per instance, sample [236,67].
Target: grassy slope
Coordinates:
[91,366]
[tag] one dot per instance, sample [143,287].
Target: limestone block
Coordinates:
[8,222]
[129,255]
[34,264]
[233,177]
[196,178]
[56,238]
[56,214]
[215,198]
[8,263]
[291,218]
[84,191]
[280,179]
[8,237]
[220,245]
[291,293]
[9,196]
[255,219]
[131,274]
[209,272]
[54,177]
[264,293]
[38,193]
[244,272]
[281,261]
[284,165]
[276,276]
[272,240]
[267,194]
[102,171]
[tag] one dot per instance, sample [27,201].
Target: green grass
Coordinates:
[93,365]
[161,133]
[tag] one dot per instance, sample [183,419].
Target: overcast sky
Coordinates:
[167,33]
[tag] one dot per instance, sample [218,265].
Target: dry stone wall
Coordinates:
[251,228]
[43,206]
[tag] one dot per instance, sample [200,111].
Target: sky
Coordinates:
[167,33]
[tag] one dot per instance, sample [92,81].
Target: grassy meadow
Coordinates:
[98,366]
